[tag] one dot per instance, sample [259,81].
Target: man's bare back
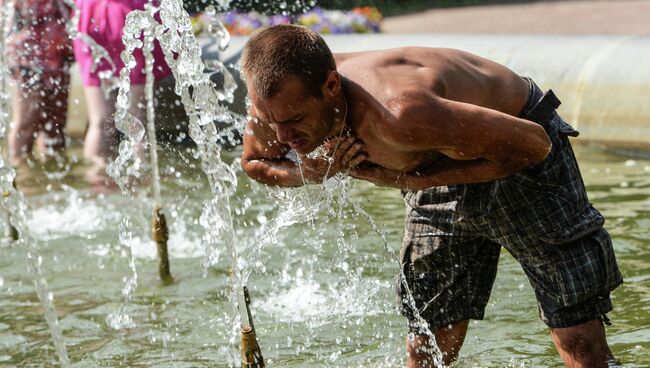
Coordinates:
[413,117]
[377,84]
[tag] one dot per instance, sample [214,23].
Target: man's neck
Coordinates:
[340,115]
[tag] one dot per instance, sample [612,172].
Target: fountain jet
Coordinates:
[159,232]
[5,28]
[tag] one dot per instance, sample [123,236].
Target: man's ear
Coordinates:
[332,84]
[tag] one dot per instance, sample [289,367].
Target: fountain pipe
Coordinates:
[159,231]
[251,354]
[12,232]
[160,235]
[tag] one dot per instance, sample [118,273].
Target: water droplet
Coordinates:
[630,163]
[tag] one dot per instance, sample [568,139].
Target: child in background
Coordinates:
[39,55]
[103,21]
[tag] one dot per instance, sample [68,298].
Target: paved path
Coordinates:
[565,17]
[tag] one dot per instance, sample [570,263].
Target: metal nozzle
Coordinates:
[251,354]
[160,235]
[12,232]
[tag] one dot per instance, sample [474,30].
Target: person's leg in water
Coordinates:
[572,282]
[52,140]
[39,55]
[449,340]
[171,119]
[583,346]
[37,110]
[449,278]
[27,104]
[102,136]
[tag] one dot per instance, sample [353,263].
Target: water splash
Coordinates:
[128,164]
[14,203]
[119,319]
[148,90]
[216,29]
[423,324]
[127,167]
[183,55]
[6,16]
[330,203]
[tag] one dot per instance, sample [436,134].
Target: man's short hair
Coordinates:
[277,52]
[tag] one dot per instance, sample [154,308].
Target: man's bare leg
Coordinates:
[449,341]
[583,345]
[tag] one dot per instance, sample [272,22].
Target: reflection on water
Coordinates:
[319,301]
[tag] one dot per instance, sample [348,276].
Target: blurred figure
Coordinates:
[39,57]
[103,21]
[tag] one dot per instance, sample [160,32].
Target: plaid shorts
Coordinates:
[541,215]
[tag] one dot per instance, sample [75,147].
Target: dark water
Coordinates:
[322,287]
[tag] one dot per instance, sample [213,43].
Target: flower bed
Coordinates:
[357,20]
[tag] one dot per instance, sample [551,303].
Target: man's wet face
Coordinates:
[299,119]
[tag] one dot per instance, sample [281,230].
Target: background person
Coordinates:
[39,57]
[103,21]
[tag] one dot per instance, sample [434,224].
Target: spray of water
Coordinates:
[198,95]
[183,55]
[119,319]
[128,165]
[300,206]
[148,91]
[14,203]
[5,113]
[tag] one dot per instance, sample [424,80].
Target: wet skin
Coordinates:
[421,117]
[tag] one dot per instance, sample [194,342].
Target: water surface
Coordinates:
[322,284]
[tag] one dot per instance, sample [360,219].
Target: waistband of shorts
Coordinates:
[539,106]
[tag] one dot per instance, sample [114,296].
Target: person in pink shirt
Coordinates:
[39,55]
[103,21]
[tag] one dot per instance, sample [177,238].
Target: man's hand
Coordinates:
[341,155]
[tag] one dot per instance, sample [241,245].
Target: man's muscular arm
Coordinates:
[480,144]
[445,172]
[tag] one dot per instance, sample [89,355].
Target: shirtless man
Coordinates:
[483,161]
